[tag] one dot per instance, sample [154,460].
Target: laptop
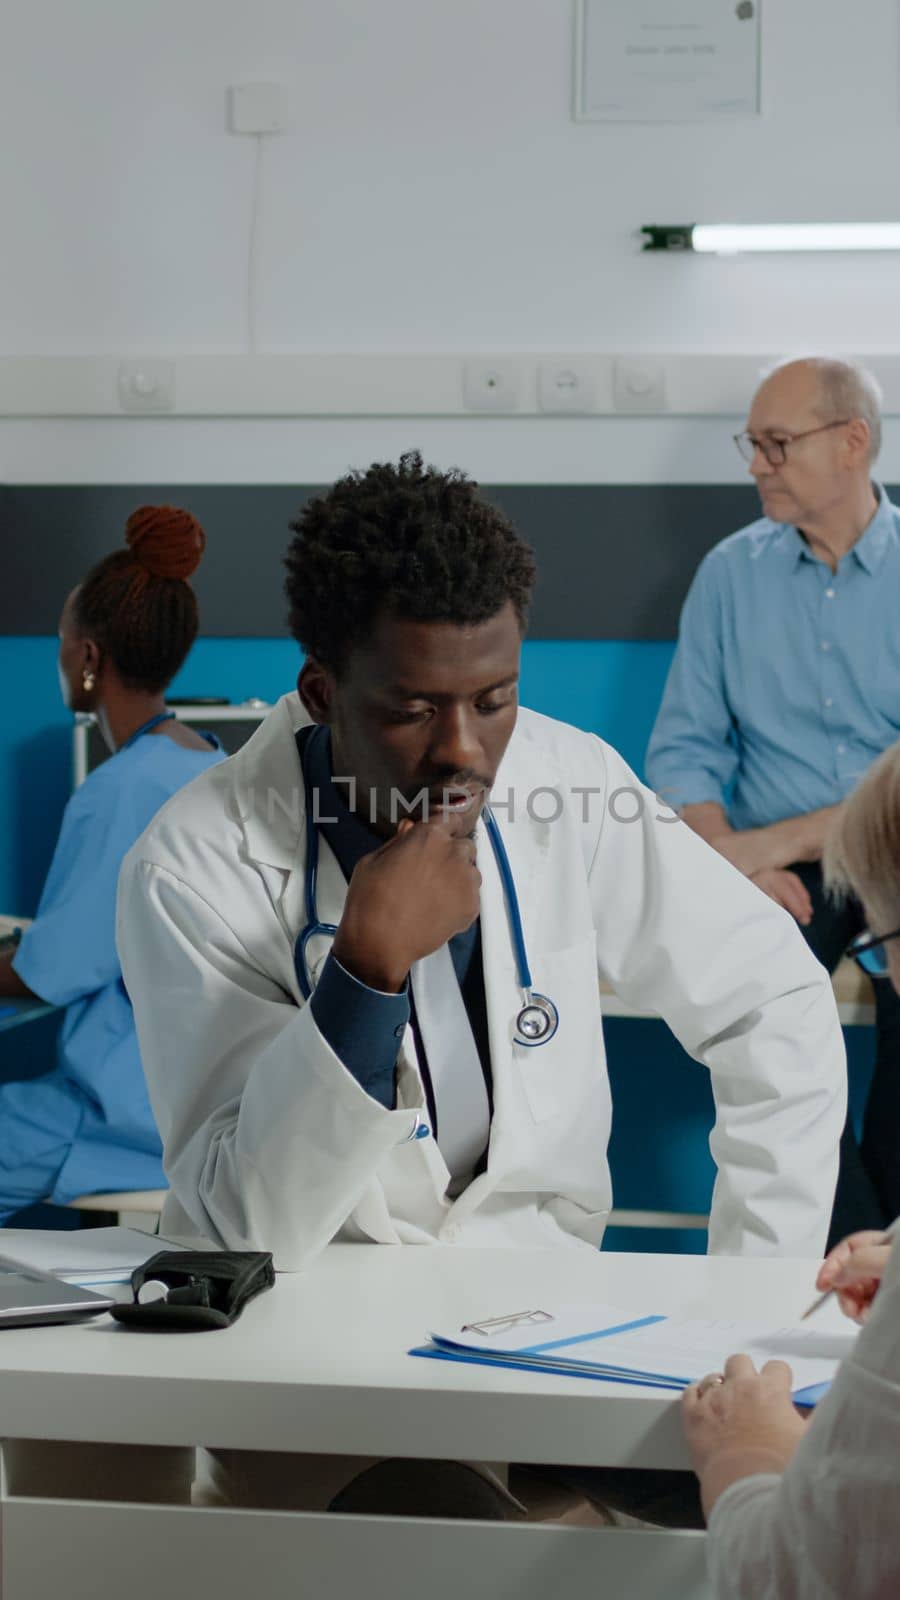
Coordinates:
[28,1296]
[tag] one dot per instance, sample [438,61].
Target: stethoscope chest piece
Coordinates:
[536,1022]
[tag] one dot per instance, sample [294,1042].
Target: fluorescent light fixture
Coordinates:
[733,238]
[729,238]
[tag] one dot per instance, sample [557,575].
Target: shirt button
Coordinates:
[842,749]
[825,645]
[828,702]
[452,1232]
[829,594]
[400,1030]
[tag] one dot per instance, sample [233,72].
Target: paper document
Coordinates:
[85,1256]
[667,60]
[604,1341]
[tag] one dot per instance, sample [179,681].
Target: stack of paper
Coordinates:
[603,1341]
[85,1256]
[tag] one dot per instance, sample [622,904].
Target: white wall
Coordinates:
[433,195]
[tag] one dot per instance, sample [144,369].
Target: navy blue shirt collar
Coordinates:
[349,838]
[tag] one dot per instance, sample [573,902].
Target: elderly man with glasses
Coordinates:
[785,687]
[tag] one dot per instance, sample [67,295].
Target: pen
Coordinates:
[889,1234]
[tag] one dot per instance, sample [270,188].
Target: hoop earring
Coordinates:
[88,679]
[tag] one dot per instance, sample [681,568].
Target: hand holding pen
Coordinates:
[853,1271]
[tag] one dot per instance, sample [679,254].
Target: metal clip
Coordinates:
[516,1319]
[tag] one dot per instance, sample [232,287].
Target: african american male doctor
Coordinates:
[400,1040]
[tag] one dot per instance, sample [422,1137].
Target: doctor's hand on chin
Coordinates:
[406,900]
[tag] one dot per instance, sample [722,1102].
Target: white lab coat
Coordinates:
[270,1143]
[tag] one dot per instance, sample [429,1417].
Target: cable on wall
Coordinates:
[253,243]
[257,110]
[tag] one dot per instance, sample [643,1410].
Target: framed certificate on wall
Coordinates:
[666,60]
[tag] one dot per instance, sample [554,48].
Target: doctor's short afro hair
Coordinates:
[407,540]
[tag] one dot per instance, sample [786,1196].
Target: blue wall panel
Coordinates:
[607,687]
[662,1100]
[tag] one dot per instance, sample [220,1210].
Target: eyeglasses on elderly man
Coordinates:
[775,447]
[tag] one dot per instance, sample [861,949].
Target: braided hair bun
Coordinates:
[137,605]
[165,540]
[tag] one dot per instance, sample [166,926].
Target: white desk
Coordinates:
[319,1365]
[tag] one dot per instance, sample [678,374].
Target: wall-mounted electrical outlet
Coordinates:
[257,108]
[639,385]
[564,386]
[146,385]
[490,386]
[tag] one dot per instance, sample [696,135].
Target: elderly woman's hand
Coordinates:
[740,1422]
[854,1269]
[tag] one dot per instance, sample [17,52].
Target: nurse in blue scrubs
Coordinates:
[86,1126]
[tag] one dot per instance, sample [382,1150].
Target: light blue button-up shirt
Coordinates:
[786,682]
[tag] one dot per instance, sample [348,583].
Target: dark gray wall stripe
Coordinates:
[615,560]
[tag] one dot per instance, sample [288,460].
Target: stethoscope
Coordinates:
[154,722]
[145,727]
[537,1018]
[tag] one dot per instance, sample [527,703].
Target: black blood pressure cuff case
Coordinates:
[204,1289]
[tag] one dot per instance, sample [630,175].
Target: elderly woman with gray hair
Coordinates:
[804,1510]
